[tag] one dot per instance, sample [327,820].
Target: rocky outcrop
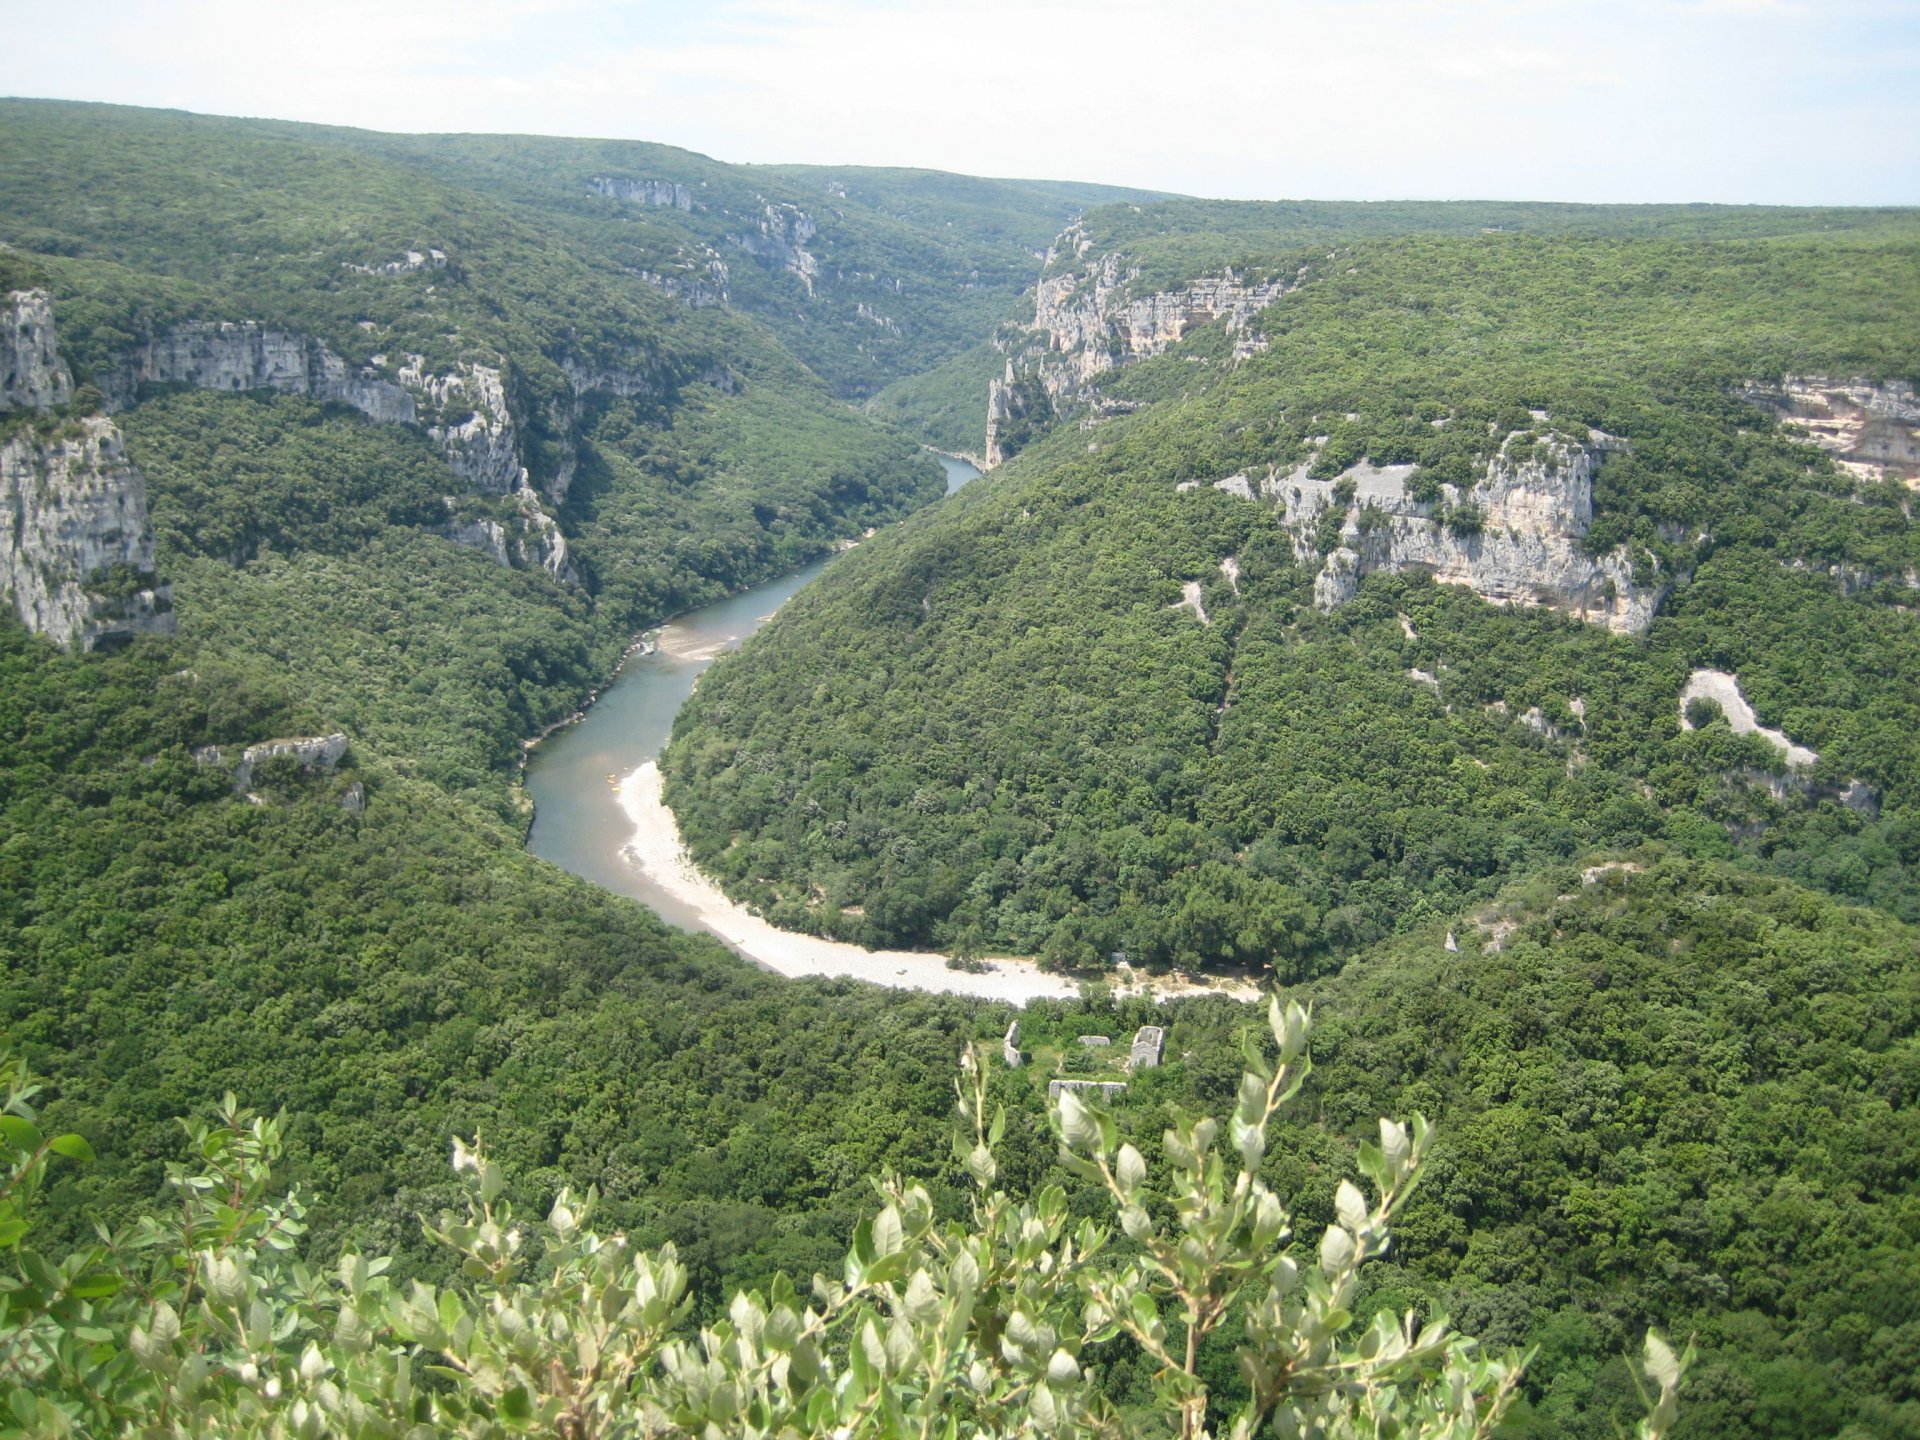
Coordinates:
[700,279]
[483,533]
[470,421]
[1089,319]
[781,242]
[528,539]
[643,192]
[1093,321]
[1724,691]
[76,545]
[464,411]
[32,374]
[1870,429]
[314,754]
[1513,538]
[406,265]
[250,356]
[873,317]
[540,545]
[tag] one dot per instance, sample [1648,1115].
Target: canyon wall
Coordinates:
[76,544]
[1513,537]
[1871,429]
[1091,318]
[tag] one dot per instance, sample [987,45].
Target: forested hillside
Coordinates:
[1106,703]
[428,427]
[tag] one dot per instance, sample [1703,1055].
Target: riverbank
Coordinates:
[655,850]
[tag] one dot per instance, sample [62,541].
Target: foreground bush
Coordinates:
[203,1320]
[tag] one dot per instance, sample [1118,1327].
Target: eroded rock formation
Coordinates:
[250,356]
[76,543]
[1870,429]
[643,192]
[1521,546]
[1089,319]
[32,374]
[781,242]
[312,753]
[465,411]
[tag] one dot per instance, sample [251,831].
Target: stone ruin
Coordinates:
[1149,1044]
[1107,1088]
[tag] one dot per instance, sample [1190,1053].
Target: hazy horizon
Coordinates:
[1769,102]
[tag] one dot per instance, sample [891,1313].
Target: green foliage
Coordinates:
[1001,717]
[1681,1093]
[947,405]
[1000,1324]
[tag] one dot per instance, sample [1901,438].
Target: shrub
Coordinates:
[205,1321]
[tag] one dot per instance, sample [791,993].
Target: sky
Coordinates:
[1765,101]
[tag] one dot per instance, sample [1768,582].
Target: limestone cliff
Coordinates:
[781,242]
[32,374]
[76,546]
[642,192]
[1090,318]
[1513,538]
[700,277]
[468,417]
[314,754]
[465,411]
[429,259]
[1870,429]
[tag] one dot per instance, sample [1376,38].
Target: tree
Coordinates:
[997,1326]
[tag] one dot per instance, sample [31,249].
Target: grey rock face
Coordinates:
[1870,429]
[73,522]
[781,242]
[32,374]
[474,428]
[465,410]
[642,192]
[488,536]
[1087,321]
[249,356]
[1533,515]
[1010,1045]
[406,265]
[700,278]
[313,753]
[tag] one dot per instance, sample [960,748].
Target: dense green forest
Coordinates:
[1671,1065]
[1000,728]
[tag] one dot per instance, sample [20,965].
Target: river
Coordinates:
[597,811]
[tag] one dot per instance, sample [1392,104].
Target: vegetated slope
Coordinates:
[388,964]
[626,451]
[1108,700]
[1666,1090]
[869,274]
[1176,240]
[395,969]
[336,939]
